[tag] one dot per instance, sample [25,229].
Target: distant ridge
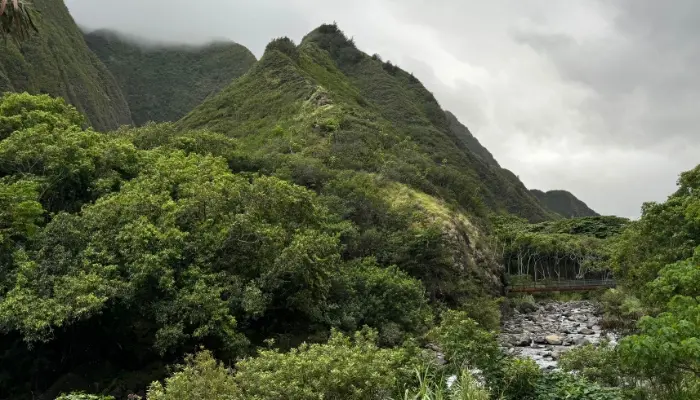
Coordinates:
[164,81]
[564,203]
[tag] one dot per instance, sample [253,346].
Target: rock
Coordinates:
[540,340]
[554,340]
[440,358]
[522,340]
[586,331]
[432,346]
[581,342]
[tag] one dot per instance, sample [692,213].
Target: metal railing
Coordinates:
[560,286]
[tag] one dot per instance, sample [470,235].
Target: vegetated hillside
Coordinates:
[564,203]
[472,143]
[326,100]
[57,61]
[164,82]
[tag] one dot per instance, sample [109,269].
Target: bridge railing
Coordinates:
[560,285]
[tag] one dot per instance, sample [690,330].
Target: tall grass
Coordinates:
[433,386]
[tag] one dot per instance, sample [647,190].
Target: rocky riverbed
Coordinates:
[550,329]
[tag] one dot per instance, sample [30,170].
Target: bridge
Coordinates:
[569,285]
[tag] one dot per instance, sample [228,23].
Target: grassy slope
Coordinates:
[58,62]
[335,104]
[410,107]
[564,203]
[163,83]
[297,116]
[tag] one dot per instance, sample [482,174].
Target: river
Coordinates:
[551,329]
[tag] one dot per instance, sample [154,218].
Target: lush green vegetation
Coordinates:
[165,82]
[554,250]
[304,234]
[325,103]
[563,203]
[57,61]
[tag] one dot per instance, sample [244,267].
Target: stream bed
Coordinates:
[550,329]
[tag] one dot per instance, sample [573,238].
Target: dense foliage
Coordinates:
[326,104]
[57,61]
[165,82]
[557,250]
[305,232]
[656,260]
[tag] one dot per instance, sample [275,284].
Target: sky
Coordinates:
[597,97]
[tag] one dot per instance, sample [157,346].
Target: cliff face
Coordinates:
[57,61]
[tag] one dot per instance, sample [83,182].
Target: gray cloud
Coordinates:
[594,97]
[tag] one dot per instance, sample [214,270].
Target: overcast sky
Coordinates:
[598,97]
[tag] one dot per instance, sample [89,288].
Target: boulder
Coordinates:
[521,340]
[555,340]
[586,331]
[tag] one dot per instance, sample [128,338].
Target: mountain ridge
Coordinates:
[164,81]
[564,203]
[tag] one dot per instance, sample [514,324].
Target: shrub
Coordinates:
[465,342]
[284,45]
[486,311]
[200,377]
[597,363]
[343,368]
[621,310]
[558,385]
[432,385]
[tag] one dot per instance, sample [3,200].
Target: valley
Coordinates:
[195,222]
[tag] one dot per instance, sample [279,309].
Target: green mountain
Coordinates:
[466,137]
[164,82]
[328,101]
[564,203]
[57,61]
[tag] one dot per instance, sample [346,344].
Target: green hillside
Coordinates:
[564,203]
[464,135]
[319,229]
[57,61]
[327,101]
[163,83]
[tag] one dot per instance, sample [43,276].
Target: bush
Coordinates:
[465,343]
[621,310]
[284,45]
[486,311]
[343,368]
[557,386]
[200,377]
[515,379]
[596,363]
[432,385]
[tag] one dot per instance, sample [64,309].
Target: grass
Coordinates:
[434,386]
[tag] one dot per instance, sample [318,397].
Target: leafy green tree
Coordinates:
[666,351]
[45,140]
[22,110]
